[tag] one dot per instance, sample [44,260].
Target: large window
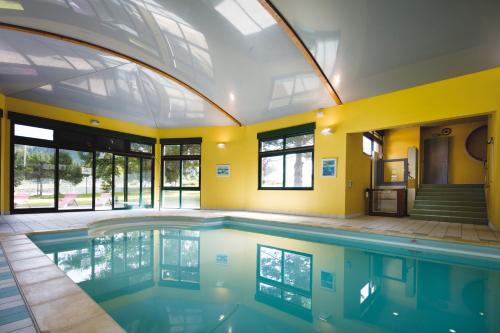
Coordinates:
[63,166]
[286,158]
[181,169]
[284,280]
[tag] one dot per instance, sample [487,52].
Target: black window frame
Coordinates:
[180,142]
[86,139]
[284,133]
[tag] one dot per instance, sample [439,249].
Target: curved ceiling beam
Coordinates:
[283,23]
[56,36]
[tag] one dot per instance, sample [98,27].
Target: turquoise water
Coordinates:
[168,279]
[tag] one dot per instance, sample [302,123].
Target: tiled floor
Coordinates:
[454,232]
[14,315]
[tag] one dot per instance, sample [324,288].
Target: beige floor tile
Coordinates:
[19,255]
[49,290]
[102,323]
[19,247]
[66,312]
[25,264]
[39,274]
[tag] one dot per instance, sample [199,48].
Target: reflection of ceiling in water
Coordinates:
[234,53]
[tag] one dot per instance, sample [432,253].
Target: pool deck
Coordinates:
[36,296]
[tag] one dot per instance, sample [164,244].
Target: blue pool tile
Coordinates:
[9,291]
[5,275]
[3,264]
[13,314]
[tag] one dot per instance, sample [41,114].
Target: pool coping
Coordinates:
[94,318]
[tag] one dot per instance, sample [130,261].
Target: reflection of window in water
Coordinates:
[107,257]
[180,258]
[284,280]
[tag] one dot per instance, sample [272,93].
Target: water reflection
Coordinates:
[183,280]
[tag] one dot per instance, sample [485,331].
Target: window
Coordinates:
[372,143]
[181,169]
[60,166]
[33,132]
[284,280]
[286,158]
[141,147]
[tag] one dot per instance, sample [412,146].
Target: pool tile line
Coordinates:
[15,314]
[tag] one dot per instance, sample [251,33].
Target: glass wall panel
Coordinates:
[75,179]
[133,182]
[119,189]
[172,173]
[104,180]
[190,173]
[34,177]
[191,199]
[171,199]
[147,167]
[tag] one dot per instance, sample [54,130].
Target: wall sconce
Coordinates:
[95,122]
[320,114]
[327,131]
[221,145]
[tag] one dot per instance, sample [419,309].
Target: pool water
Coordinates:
[177,279]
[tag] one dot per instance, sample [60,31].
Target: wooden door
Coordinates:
[436,160]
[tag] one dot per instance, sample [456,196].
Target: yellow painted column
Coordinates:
[5,163]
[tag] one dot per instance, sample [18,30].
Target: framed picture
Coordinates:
[223,170]
[329,167]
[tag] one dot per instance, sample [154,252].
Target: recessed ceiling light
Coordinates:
[231,97]
[336,80]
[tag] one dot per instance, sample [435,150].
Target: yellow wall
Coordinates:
[462,168]
[470,95]
[358,171]
[398,140]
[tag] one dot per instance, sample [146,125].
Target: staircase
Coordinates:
[460,203]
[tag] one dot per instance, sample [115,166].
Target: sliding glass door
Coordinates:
[75,179]
[34,177]
[104,181]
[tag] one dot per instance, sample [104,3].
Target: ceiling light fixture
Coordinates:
[221,145]
[231,97]
[327,131]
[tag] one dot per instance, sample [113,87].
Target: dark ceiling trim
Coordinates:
[72,40]
[283,23]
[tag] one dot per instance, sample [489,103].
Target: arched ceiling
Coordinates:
[234,55]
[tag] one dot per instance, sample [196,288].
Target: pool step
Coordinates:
[461,203]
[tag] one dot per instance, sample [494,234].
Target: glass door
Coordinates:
[75,179]
[119,181]
[34,177]
[133,182]
[104,180]
[147,183]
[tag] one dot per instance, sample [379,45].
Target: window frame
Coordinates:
[181,158]
[285,133]
[374,137]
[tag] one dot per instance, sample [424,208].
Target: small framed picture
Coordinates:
[223,170]
[329,167]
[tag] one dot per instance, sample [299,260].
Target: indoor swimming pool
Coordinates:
[164,278]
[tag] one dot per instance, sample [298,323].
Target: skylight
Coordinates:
[248,16]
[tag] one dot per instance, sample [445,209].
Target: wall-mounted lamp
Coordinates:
[221,145]
[320,114]
[327,131]
[95,122]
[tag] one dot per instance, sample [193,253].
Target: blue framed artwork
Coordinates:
[223,170]
[329,167]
